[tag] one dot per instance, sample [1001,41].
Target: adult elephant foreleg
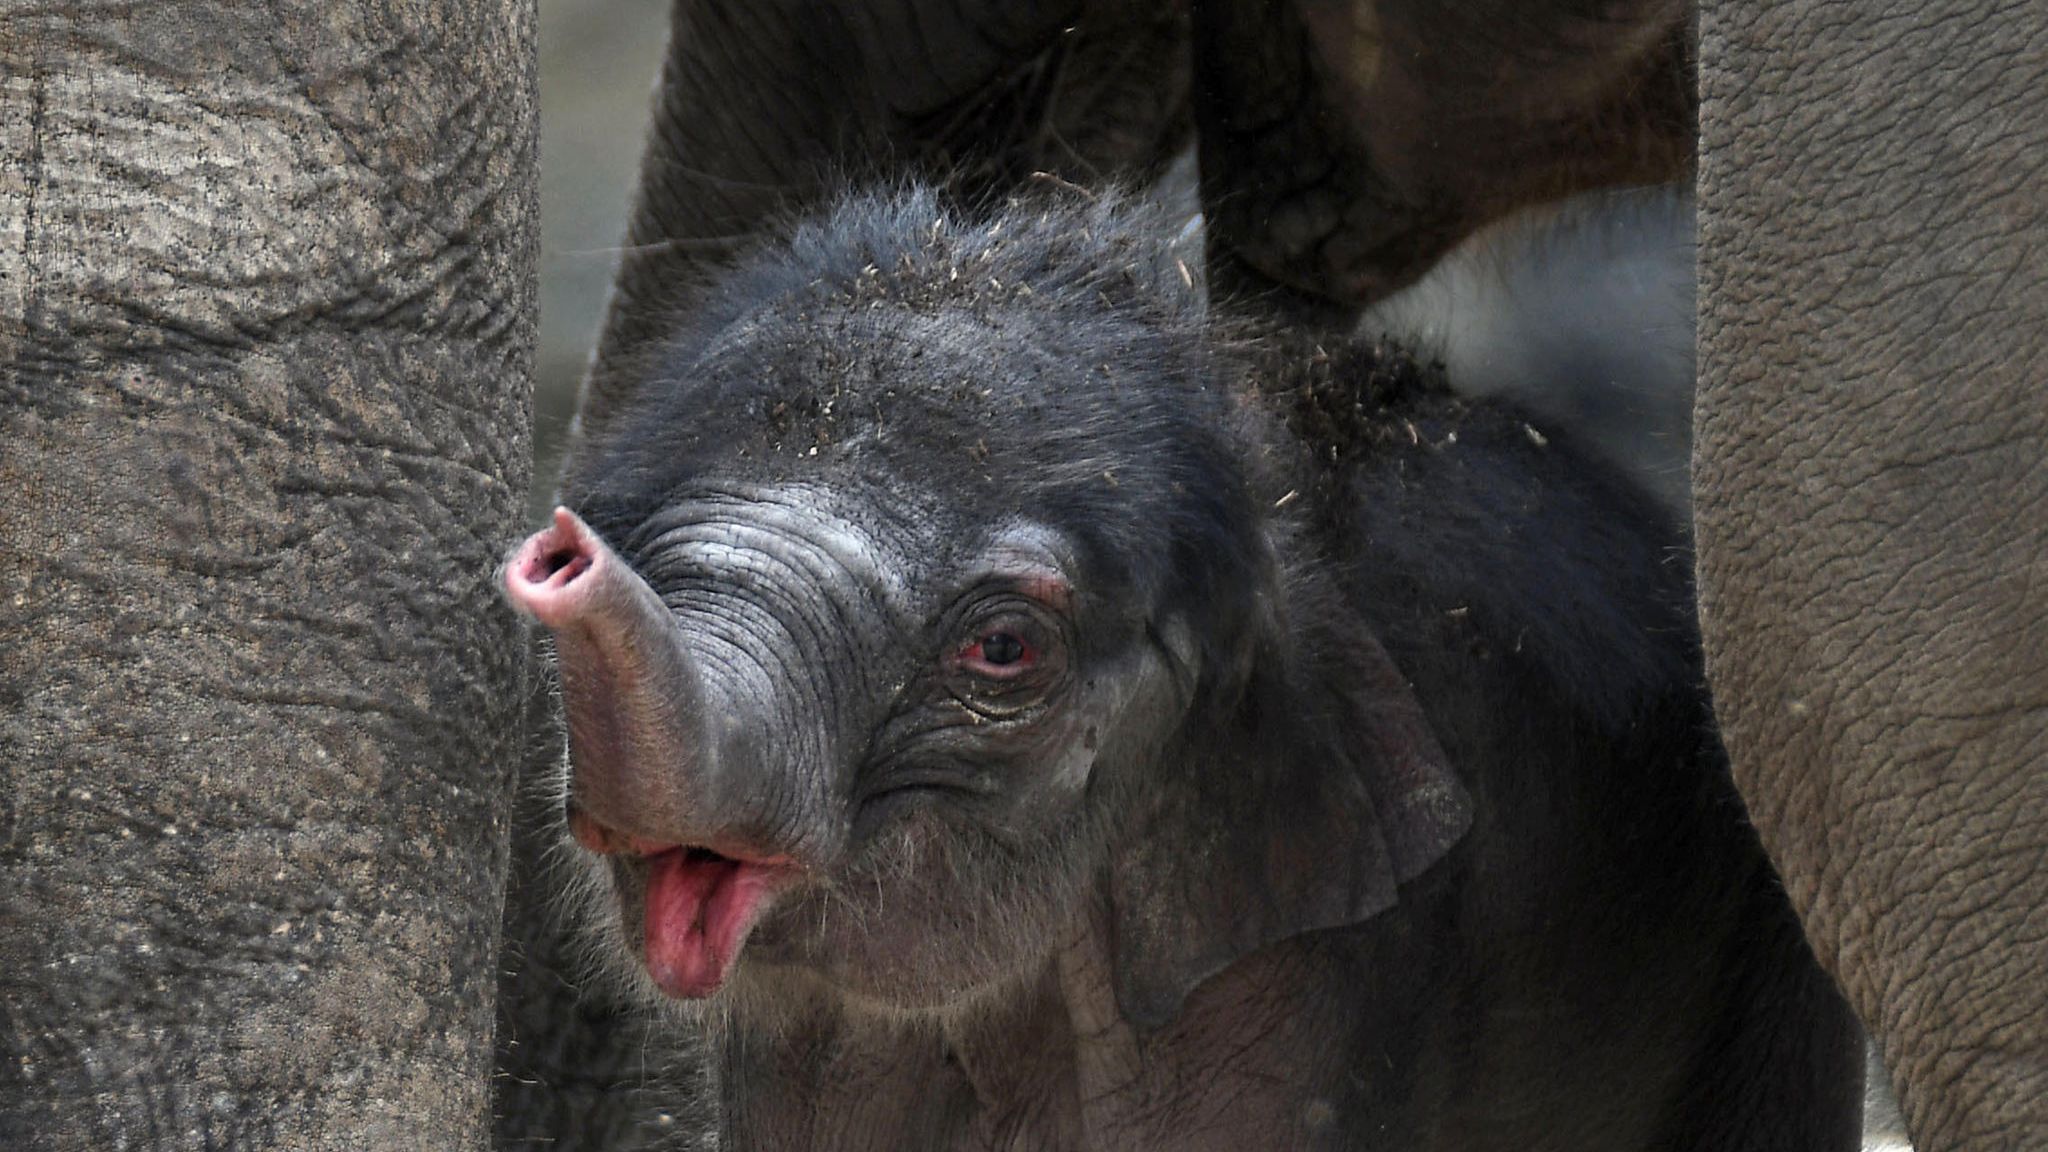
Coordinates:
[1871,491]
[266,316]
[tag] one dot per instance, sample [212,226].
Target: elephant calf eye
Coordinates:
[1001,649]
[998,655]
[1007,646]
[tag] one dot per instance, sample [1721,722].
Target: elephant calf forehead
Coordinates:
[878,548]
[943,379]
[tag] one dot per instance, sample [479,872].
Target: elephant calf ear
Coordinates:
[1306,812]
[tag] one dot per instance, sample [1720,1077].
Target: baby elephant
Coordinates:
[1010,707]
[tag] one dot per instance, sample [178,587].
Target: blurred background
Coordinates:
[598,62]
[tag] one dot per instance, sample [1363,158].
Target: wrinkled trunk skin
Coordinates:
[266,314]
[1872,509]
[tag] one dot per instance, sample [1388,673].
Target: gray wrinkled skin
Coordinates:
[266,321]
[1870,494]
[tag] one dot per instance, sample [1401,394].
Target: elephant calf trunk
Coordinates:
[643,768]
[642,762]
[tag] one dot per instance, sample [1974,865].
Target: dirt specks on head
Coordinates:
[1339,398]
[857,300]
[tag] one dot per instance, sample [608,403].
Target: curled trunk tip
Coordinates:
[550,576]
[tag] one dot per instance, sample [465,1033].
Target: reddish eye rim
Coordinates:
[969,657]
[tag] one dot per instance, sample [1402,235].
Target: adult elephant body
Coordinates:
[1322,199]
[266,309]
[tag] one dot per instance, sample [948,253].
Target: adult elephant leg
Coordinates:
[1346,145]
[266,314]
[765,107]
[1871,495]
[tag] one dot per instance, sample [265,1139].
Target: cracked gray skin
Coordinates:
[266,322]
[1357,793]
[1872,514]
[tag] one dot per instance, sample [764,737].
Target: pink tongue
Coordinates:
[699,910]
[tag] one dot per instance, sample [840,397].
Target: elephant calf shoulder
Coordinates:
[1010,705]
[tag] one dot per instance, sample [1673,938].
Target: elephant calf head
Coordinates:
[935,591]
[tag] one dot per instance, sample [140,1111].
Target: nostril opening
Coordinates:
[704,856]
[558,567]
[566,564]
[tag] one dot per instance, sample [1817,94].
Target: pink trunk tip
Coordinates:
[549,576]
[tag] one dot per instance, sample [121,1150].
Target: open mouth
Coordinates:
[700,904]
[700,907]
